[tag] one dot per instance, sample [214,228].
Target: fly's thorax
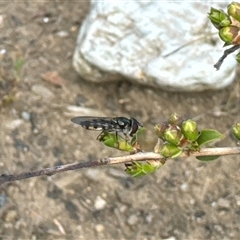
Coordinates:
[127,126]
[122,122]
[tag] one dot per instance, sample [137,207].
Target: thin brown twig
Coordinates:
[218,64]
[141,156]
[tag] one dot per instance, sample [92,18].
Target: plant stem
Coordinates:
[141,156]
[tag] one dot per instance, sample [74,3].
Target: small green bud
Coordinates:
[219,18]
[236,130]
[228,34]
[170,150]
[190,130]
[159,129]
[173,135]
[234,10]
[138,169]
[175,119]
[118,142]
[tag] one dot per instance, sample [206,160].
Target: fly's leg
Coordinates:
[105,136]
[100,136]
[126,138]
[117,139]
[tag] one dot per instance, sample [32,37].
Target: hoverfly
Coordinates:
[106,124]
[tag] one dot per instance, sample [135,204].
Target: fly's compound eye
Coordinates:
[134,126]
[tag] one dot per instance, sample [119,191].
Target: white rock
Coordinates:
[14,124]
[26,115]
[224,203]
[62,34]
[99,203]
[160,44]
[99,228]
[184,187]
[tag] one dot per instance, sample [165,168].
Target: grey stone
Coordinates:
[223,203]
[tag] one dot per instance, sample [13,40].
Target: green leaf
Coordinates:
[209,135]
[207,158]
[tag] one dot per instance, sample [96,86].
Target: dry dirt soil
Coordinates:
[185,199]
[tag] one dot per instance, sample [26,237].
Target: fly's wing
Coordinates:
[95,123]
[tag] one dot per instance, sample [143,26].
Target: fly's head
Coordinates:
[134,126]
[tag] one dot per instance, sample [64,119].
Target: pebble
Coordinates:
[184,187]
[45,19]
[218,228]
[213,204]
[223,203]
[14,124]
[237,200]
[99,203]
[132,220]
[62,34]
[99,228]
[42,91]
[3,51]
[26,115]
[11,216]
[149,218]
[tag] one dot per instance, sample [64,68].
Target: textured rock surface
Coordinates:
[167,45]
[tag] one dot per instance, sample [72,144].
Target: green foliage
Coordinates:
[209,135]
[207,158]
[184,136]
[174,137]
[18,65]
[9,81]
[236,130]
[228,25]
